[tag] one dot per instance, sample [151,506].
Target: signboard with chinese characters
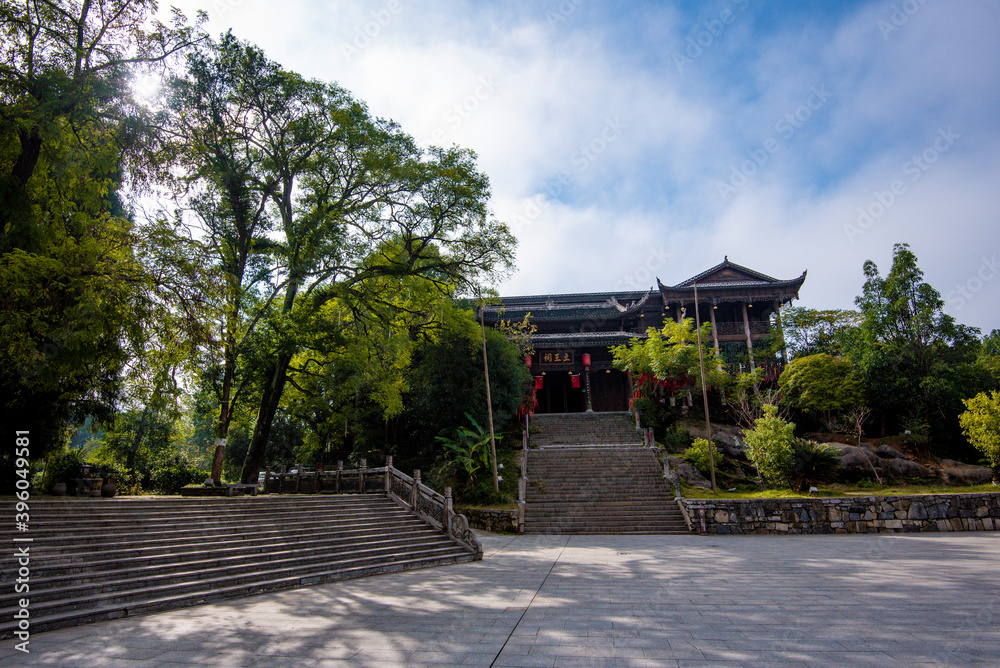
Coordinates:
[555,358]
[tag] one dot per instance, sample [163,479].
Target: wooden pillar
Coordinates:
[781,331]
[715,334]
[680,317]
[746,328]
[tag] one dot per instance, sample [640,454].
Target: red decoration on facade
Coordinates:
[538,382]
[586,360]
[527,361]
[574,381]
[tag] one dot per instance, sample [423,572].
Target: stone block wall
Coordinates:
[861,514]
[497,520]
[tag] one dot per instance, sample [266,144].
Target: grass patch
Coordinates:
[840,490]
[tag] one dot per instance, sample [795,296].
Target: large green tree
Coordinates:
[823,385]
[69,135]
[917,364]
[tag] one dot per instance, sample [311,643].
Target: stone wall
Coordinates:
[497,520]
[861,514]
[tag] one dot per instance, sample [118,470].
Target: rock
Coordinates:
[890,452]
[966,474]
[209,482]
[907,468]
[689,474]
[853,457]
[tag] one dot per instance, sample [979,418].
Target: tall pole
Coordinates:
[704,389]
[489,405]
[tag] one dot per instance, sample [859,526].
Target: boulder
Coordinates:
[907,468]
[889,452]
[965,474]
[689,474]
[855,462]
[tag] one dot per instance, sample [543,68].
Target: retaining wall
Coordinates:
[497,520]
[860,514]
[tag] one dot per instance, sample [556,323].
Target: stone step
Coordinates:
[104,558]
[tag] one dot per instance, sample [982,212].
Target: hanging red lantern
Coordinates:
[527,361]
[586,360]
[538,382]
[574,381]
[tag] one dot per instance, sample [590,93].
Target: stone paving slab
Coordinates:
[620,601]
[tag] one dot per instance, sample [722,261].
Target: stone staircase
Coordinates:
[589,474]
[576,429]
[95,559]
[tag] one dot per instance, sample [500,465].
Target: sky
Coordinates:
[630,141]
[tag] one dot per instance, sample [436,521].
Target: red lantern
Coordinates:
[574,381]
[538,382]
[586,360]
[527,361]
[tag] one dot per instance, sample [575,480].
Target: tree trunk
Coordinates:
[31,147]
[269,401]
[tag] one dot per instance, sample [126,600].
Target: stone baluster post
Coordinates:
[449,511]
[415,490]
[388,474]
[340,470]
[267,478]
[298,477]
[361,476]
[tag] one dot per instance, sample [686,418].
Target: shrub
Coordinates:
[981,425]
[769,446]
[675,439]
[61,466]
[814,463]
[697,455]
[170,477]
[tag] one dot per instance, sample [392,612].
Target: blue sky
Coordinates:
[630,141]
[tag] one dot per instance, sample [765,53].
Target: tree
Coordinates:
[769,446]
[916,363]
[810,331]
[672,353]
[981,425]
[348,183]
[69,133]
[220,114]
[823,385]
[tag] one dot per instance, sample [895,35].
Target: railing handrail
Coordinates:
[454,524]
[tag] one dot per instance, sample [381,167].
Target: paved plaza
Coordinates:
[890,600]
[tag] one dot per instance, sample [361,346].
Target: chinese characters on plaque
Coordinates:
[561,358]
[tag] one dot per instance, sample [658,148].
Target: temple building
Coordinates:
[572,362]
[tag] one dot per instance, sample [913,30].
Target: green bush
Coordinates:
[769,446]
[814,463]
[697,455]
[172,476]
[675,439]
[62,466]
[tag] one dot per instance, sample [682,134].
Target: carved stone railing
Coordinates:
[434,508]
[674,479]
[409,492]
